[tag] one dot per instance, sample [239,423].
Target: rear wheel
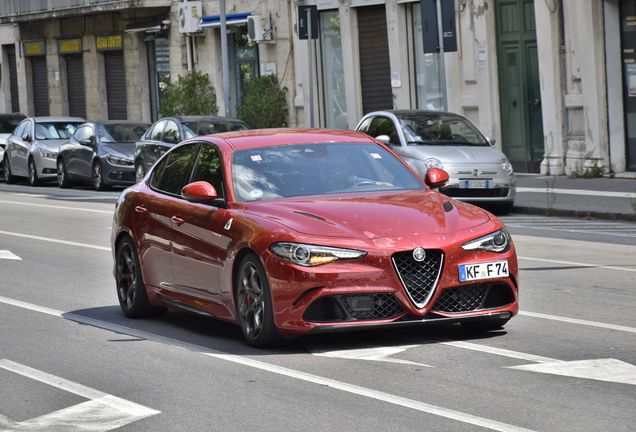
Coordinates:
[485,324]
[140,172]
[62,177]
[33,173]
[8,177]
[254,304]
[131,290]
[98,176]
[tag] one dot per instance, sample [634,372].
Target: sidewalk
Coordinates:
[599,198]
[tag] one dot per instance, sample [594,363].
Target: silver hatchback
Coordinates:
[478,171]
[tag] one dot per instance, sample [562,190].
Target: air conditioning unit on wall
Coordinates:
[189,16]
[259,29]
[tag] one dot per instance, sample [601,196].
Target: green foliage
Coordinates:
[192,94]
[263,103]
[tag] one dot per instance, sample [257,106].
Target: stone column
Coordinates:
[351,62]
[398,53]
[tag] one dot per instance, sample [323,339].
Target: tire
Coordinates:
[62,176]
[98,176]
[485,325]
[33,173]
[131,290]
[140,172]
[8,177]
[254,305]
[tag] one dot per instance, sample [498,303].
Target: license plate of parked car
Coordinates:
[475,184]
[483,270]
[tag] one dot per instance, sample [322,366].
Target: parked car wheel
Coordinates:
[62,177]
[8,177]
[254,304]
[98,177]
[33,174]
[140,172]
[131,290]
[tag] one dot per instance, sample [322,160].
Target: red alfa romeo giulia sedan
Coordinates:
[289,232]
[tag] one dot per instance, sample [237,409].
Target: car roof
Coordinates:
[58,119]
[257,138]
[411,112]
[120,122]
[191,118]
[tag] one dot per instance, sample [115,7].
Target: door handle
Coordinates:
[177,220]
[141,209]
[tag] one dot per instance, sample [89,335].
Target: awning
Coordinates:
[230,19]
[155,26]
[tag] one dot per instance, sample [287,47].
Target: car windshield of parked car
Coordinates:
[317,169]
[8,125]
[55,130]
[440,129]
[207,127]
[129,132]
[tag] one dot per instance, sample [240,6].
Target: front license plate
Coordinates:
[484,270]
[475,184]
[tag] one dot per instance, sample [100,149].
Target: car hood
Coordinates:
[52,144]
[372,215]
[455,154]
[4,137]
[123,149]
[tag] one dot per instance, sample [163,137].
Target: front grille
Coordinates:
[338,308]
[475,193]
[461,299]
[419,278]
[384,306]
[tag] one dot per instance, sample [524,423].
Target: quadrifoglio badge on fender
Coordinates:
[485,270]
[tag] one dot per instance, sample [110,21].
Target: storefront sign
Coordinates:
[109,42]
[69,46]
[34,48]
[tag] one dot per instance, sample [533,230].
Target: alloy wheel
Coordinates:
[33,175]
[98,179]
[126,276]
[251,304]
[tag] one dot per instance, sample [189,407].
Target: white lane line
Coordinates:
[53,240]
[579,321]
[578,192]
[587,231]
[32,195]
[501,352]
[8,255]
[87,198]
[280,370]
[577,264]
[81,209]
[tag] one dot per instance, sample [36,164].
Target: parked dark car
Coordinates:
[169,131]
[8,123]
[100,153]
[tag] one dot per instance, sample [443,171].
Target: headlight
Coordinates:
[119,161]
[499,241]
[506,166]
[312,255]
[48,154]
[433,163]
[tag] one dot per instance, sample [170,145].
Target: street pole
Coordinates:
[310,68]
[225,60]
[441,62]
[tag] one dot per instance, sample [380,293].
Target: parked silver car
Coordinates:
[8,122]
[478,171]
[31,150]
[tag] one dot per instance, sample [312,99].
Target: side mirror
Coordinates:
[86,142]
[28,138]
[384,139]
[170,139]
[436,177]
[199,192]
[3,146]
[492,141]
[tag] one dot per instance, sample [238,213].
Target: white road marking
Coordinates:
[500,352]
[53,240]
[578,192]
[290,373]
[381,354]
[609,370]
[103,412]
[88,198]
[577,264]
[57,207]
[32,195]
[587,231]
[579,321]
[8,255]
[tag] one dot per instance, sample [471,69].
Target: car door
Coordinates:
[86,152]
[159,211]
[13,144]
[147,151]
[21,148]
[75,151]
[201,241]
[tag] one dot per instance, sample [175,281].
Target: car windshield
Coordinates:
[440,129]
[7,125]
[317,169]
[55,130]
[128,132]
[207,127]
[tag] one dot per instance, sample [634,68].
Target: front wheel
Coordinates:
[254,304]
[62,176]
[98,177]
[131,290]
[140,172]
[33,174]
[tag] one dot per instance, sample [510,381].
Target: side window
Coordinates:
[384,126]
[157,170]
[157,131]
[28,130]
[171,134]
[83,133]
[20,129]
[176,171]
[208,168]
[364,127]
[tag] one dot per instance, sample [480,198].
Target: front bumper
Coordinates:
[501,186]
[46,168]
[118,174]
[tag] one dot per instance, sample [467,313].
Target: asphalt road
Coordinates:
[70,361]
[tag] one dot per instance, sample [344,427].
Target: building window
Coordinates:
[159,72]
[244,58]
[430,94]
[333,71]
